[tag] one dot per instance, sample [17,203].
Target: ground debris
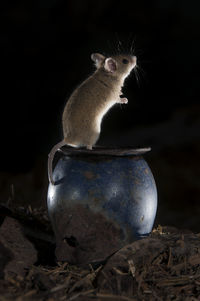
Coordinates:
[166,267]
[163,266]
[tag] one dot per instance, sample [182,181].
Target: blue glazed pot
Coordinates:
[102,200]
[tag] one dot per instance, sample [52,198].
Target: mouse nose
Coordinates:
[134,59]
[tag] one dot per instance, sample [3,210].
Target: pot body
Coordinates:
[99,204]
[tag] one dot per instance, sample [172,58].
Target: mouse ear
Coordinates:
[97,58]
[110,65]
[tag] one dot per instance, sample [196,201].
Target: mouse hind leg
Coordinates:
[92,139]
[51,157]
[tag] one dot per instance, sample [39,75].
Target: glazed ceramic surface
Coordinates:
[100,202]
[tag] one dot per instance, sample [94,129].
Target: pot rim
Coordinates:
[104,151]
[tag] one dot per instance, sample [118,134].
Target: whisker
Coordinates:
[142,70]
[139,52]
[136,76]
[132,50]
[120,47]
[110,48]
[145,61]
[142,73]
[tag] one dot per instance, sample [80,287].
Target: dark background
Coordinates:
[45,53]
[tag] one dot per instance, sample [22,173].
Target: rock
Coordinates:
[16,251]
[5,257]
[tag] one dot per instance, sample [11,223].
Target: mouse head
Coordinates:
[118,65]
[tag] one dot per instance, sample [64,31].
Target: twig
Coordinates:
[28,294]
[170,258]
[132,267]
[12,195]
[119,272]
[115,297]
[177,280]
[89,278]
[81,294]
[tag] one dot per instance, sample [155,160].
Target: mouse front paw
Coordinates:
[123,100]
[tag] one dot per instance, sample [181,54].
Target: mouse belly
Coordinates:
[101,113]
[88,140]
[84,136]
[85,131]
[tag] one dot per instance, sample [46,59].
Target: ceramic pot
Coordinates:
[102,200]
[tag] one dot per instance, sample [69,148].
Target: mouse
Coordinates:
[91,100]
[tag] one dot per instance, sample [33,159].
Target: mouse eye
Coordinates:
[125,61]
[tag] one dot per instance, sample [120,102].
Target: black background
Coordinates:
[45,53]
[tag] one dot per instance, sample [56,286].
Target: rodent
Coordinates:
[86,107]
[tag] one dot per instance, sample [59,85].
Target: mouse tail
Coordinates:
[50,159]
